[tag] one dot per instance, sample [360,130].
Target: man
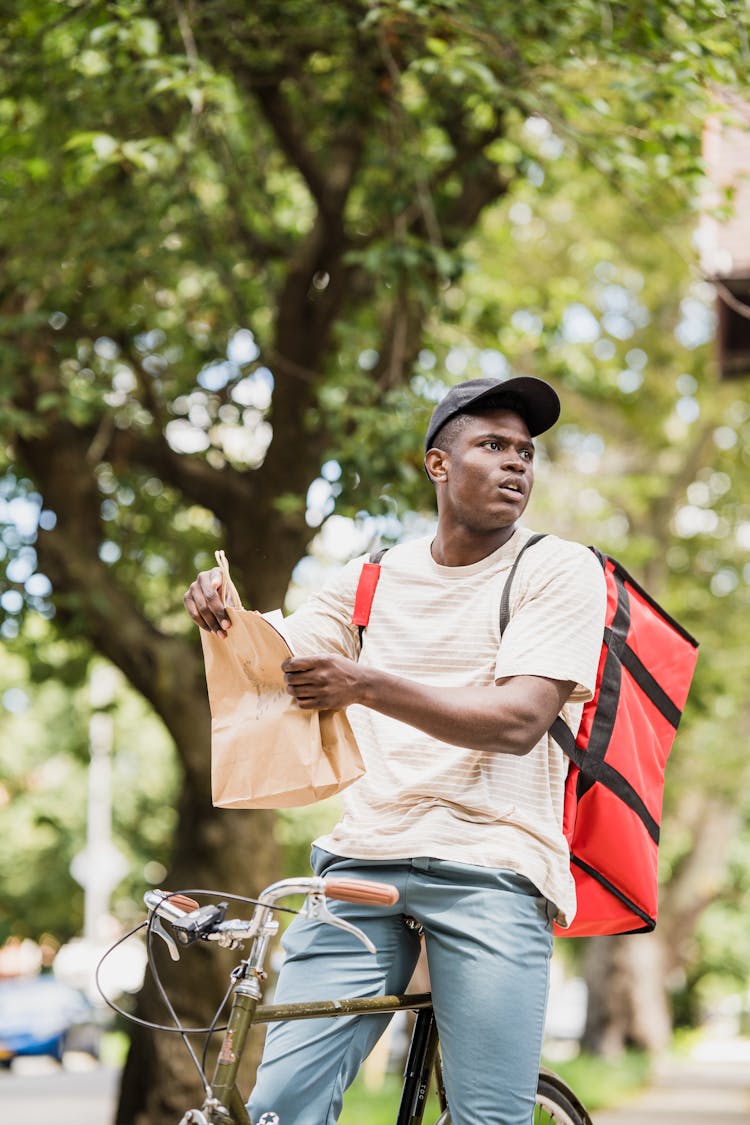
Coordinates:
[461,804]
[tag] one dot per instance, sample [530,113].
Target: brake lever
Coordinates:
[316,908]
[158,928]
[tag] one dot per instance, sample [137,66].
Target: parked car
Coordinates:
[42,1016]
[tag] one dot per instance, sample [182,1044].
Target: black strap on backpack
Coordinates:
[505,598]
[559,730]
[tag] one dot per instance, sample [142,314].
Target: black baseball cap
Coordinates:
[536,401]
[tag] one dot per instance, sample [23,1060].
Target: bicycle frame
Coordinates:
[223,1104]
[247,1011]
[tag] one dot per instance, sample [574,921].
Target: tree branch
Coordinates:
[219,490]
[662,509]
[421,212]
[292,142]
[166,670]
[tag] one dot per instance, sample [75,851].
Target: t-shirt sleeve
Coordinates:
[323,624]
[557,606]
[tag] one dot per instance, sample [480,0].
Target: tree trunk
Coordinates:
[231,851]
[628,1004]
[627,977]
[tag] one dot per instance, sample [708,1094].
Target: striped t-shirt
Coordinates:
[439,625]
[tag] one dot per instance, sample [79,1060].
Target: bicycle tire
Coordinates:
[556,1104]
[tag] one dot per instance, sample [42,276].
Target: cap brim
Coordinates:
[540,401]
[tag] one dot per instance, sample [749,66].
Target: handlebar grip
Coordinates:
[182,902]
[362,890]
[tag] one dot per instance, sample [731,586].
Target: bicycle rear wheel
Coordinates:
[556,1104]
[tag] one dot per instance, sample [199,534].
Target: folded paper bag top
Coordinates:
[266,752]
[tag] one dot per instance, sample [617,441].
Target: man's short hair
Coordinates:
[449,431]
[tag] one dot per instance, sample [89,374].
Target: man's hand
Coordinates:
[203,602]
[323,683]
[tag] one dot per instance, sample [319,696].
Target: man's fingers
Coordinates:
[295,664]
[189,602]
[303,680]
[203,616]
[214,577]
[301,683]
[203,602]
[304,671]
[210,584]
[308,697]
[320,682]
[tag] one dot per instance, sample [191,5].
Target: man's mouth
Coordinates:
[511,486]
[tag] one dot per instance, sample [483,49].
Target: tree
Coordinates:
[227,236]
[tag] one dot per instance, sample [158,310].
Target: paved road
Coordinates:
[38,1092]
[711,1087]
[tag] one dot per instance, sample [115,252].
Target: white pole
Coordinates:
[98,884]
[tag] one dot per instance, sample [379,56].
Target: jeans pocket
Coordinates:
[322,861]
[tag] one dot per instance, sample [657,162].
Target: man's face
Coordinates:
[488,471]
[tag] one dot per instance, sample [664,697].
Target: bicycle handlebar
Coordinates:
[190,921]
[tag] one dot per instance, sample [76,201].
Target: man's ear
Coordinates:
[436,463]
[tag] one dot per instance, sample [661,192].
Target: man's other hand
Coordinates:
[322,683]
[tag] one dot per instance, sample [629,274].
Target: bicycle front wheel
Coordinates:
[556,1104]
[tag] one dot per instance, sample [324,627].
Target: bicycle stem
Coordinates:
[247,995]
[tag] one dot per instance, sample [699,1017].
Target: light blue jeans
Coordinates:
[488,936]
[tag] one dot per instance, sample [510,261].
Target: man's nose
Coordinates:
[514,462]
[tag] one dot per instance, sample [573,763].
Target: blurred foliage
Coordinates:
[601,1082]
[43,784]
[244,251]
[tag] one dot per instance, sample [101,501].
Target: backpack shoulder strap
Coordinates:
[368,580]
[505,598]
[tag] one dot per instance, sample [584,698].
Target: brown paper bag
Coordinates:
[266,752]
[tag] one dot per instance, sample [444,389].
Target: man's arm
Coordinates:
[509,717]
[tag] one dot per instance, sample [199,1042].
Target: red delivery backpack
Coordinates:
[615,782]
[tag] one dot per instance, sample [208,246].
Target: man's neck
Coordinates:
[462,548]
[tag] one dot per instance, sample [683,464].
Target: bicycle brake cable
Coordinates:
[128,1016]
[176,1029]
[215,1023]
[185,1032]
[170,1007]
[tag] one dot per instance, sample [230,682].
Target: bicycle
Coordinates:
[180,921]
